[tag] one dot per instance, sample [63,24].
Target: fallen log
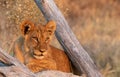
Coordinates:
[67,39]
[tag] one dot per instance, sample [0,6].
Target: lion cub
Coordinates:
[33,49]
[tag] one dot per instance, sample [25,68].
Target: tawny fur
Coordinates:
[32,48]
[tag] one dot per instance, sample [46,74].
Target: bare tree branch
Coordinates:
[16,69]
[67,39]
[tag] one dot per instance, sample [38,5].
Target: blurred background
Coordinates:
[95,23]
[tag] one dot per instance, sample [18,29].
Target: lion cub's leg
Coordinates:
[40,65]
[18,52]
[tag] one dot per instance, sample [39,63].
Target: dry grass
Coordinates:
[95,23]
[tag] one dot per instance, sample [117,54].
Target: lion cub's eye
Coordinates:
[35,39]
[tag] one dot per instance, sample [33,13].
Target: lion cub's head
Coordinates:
[37,38]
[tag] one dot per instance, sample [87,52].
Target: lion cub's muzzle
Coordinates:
[39,54]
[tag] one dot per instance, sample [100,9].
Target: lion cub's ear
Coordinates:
[26,27]
[51,27]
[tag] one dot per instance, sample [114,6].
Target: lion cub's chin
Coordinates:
[39,57]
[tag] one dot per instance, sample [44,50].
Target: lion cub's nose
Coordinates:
[42,50]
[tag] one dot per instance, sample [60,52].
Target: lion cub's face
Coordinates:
[37,38]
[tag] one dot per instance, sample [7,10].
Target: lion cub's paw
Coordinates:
[41,66]
[34,68]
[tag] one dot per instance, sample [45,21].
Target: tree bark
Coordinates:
[67,39]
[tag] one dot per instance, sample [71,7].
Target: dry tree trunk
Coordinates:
[67,39]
